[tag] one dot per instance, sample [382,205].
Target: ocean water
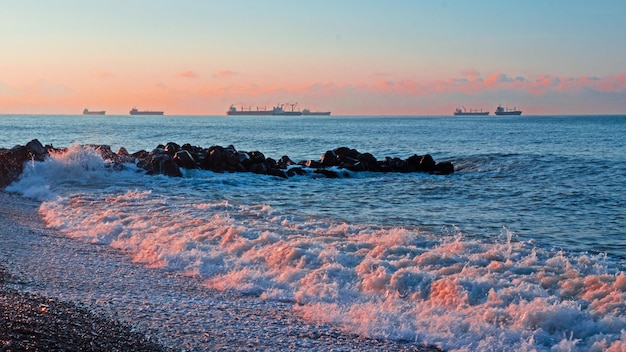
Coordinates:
[522,248]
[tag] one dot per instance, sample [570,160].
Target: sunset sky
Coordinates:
[401,57]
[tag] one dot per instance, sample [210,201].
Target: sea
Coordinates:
[522,248]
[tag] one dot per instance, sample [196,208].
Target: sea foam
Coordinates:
[405,283]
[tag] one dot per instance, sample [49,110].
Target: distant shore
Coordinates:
[57,293]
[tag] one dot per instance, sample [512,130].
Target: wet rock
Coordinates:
[329,158]
[327,173]
[12,160]
[295,171]
[171,148]
[444,168]
[185,160]
[160,162]
[285,162]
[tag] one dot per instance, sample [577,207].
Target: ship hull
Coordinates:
[471,113]
[94,112]
[147,113]
[319,113]
[249,113]
[504,113]
[288,113]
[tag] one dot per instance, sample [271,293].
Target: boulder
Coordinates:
[160,162]
[185,160]
[214,159]
[293,171]
[444,168]
[12,160]
[329,158]
[368,162]
[284,162]
[171,148]
[427,164]
[327,173]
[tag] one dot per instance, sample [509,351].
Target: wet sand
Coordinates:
[57,293]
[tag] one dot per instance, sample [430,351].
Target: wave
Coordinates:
[396,282]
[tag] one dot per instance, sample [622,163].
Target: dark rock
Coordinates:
[284,161]
[414,160]
[185,160]
[244,159]
[329,159]
[314,164]
[444,168]
[160,162]
[215,159]
[293,171]
[256,157]
[141,154]
[427,164]
[232,161]
[327,173]
[346,152]
[122,152]
[171,148]
[276,172]
[37,150]
[12,160]
[271,163]
[368,162]
[355,166]
[258,168]
[188,147]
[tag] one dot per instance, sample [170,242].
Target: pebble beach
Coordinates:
[61,294]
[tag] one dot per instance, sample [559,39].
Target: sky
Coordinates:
[351,57]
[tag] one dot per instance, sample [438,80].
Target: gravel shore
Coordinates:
[30,322]
[60,294]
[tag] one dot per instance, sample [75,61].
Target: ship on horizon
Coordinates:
[506,111]
[309,112]
[287,109]
[475,112]
[87,112]
[134,111]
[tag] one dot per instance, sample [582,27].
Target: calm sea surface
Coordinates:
[534,212]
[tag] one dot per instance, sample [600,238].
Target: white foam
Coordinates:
[400,283]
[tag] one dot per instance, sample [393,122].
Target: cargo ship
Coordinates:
[309,112]
[134,111]
[475,112]
[277,110]
[506,111]
[248,111]
[87,112]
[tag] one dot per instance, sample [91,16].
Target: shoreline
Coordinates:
[154,309]
[36,322]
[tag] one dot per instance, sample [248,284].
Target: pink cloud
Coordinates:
[405,96]
[188,74]
[614,83]
[384,85]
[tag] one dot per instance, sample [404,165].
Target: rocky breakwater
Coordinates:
[170,158]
